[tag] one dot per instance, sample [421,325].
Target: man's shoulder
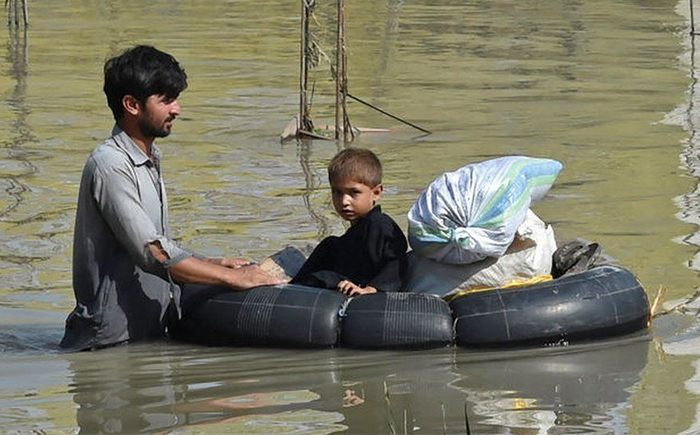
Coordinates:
[106,156]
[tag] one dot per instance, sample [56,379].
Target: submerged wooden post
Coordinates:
[25,12]
[347,129]
[692,18]
[342,121]
[13,12]
[339,66]
[304,122]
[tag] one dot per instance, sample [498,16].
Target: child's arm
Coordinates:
[317,271]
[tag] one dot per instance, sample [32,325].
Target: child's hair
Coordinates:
[356,164]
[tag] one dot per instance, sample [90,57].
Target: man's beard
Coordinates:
[150,130]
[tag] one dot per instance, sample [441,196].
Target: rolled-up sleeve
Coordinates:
[116,193]
[174,251]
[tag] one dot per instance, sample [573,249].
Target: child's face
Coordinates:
[353,200]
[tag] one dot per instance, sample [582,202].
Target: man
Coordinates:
[125,266]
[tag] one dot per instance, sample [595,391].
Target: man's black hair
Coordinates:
[142,71]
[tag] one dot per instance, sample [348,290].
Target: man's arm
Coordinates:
[212,271]
[233,263]
[119,202]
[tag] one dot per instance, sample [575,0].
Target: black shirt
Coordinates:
[370,253]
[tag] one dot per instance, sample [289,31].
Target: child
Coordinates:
[371,255]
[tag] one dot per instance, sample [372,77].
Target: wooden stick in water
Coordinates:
[658,301]
[25,12]
[312,135]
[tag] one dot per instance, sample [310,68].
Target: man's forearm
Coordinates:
[197,271]
[228,262]
[194,270]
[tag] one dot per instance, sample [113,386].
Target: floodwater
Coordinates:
[605,87]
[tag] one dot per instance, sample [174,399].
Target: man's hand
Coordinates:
[348,288]
[232,263]
[245,277]
[198,271]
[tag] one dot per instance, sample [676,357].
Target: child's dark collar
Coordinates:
[377,209]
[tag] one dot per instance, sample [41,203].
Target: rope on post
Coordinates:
[388,114]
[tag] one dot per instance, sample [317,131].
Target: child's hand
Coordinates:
[347,288]
[350,289]
[365,290]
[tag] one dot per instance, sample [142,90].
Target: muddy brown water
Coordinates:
[605,87]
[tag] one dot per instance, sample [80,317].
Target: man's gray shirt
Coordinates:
[122,292]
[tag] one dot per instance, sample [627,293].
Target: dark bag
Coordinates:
[574,257]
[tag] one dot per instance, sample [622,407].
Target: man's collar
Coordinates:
[136,154]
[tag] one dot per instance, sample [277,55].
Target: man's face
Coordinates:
[156,118]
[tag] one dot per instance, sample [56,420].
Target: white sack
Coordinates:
[472,213]
[529,255]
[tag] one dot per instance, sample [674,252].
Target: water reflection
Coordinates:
[122,393]
[16,168]
[160,387]
[313,183]
[18,61]
[584,391]
[687,117]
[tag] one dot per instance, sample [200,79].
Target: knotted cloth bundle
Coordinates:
[474,212]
